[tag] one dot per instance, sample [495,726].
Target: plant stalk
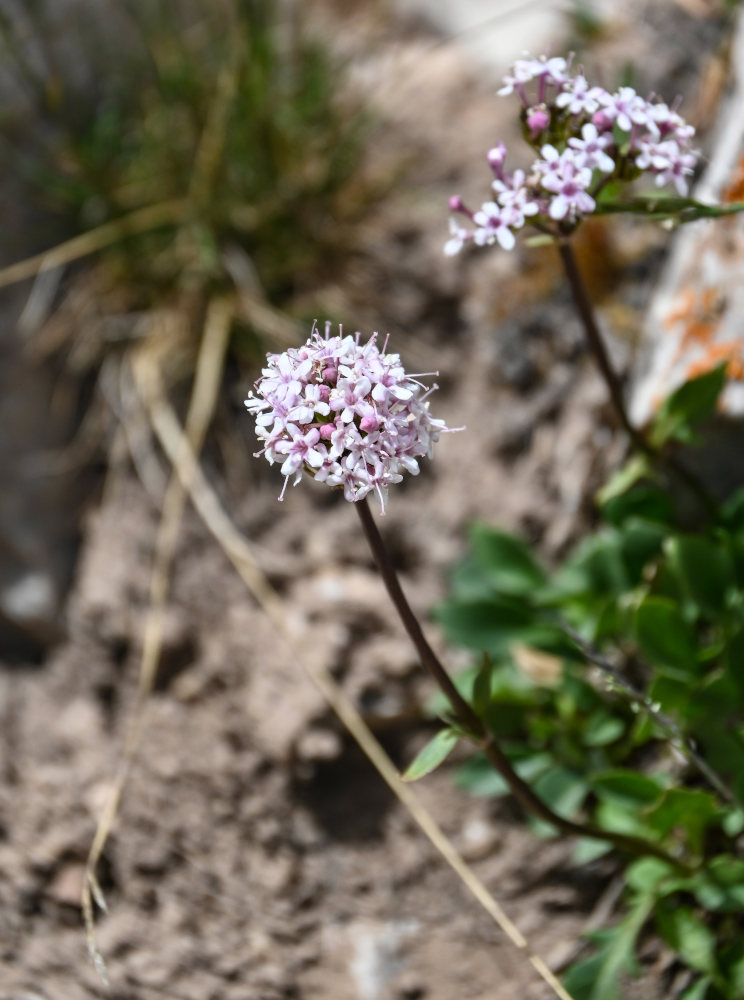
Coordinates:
[612,380]
[597,345]
[473,724]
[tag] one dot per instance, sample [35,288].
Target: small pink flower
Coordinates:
[343,412]
[563,177]
[591,149]
[494,222]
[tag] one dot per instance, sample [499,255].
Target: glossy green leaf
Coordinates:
[644,875]
[600,977]
[630,789]
[664,636]
[562,790]
[706,569]
[688,406]
[637,468]
[641,542]
[588,849]
[492,625]
[692,939]
[432,755]
[688,809]
[479,778]
[508,561]
[645,500]
[603,729]
[720,886]
[732,511]
[482,686]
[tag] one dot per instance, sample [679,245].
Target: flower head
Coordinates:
[344,413]
[583,136]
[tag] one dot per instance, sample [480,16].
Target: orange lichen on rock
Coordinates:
[735,190]
[730,351]
[699,314]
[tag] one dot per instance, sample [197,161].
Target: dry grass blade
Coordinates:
[143,220]
[207,380]
[239,552]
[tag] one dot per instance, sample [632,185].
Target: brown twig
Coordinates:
[475,727]
[614,388]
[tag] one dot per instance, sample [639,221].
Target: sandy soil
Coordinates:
[258,854]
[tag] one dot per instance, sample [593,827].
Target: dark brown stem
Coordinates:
[596,344]
[474,725]
[612,381]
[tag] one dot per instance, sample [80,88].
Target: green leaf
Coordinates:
[588,849]
[645,500]
[689,405]
[432,755]
[733,822]
[627,788]
[734,664]
[665,206]
[697,990]
[637,468]
[641,541]
[707,572]
[562,790]
[683,808]
[644,875]
[508,561]
[492,625]
[732,512]
[603,729]
[478,777]
[597,567]
[601,976]
[482,686]
[693,940]
[720,886]
[664,636]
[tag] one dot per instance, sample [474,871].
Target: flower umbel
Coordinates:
[345,413]
[583,137]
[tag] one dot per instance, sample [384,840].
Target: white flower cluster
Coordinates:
[585,136]
[344,412]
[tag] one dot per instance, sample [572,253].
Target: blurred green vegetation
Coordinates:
[648,743]
[233,108]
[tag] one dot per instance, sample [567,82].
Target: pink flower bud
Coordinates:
[538,120]
[326,431]
[330,375]
[602,120]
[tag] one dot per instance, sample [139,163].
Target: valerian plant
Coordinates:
[613,683]
[606,695]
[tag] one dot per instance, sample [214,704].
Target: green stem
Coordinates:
[473,724]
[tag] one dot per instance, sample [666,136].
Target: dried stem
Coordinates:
[474,726]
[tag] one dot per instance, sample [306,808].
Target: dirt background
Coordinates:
[257,853]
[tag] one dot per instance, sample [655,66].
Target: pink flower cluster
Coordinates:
[585,136]
[343,412]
